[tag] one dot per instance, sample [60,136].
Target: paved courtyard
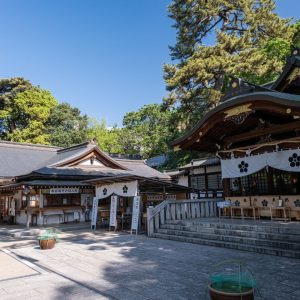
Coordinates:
[104,265]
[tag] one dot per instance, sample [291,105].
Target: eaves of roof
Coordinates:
[272,97]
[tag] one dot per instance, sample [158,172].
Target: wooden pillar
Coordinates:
[270,180]
[226,187]
[205,178]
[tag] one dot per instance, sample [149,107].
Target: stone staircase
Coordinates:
[281,239]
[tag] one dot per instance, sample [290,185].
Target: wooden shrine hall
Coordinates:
[255,131]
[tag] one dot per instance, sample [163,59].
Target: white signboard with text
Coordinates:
[193,195]
[64,191]
[94,213]
[113,211]
[135,213]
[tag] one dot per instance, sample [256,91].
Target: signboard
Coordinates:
[219,194]
[113,211]
[12,210]
[210,194]
[193,195]
[161,197]
[94,213]
[76,216]
[64,191]
[155,197]
[135,213]
[202,194]
[170,197]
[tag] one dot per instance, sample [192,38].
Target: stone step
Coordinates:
[295,238]
[237,246]
[233,239]
[271,227]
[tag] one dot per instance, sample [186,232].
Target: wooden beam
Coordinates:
[274,129]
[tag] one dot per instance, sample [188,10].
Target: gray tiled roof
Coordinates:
[64,155]
[80,171]
[139,167]
[174,173]
[134,168]
[210,161]
[156,161]
[18,159]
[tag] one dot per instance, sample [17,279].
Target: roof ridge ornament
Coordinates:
[238,114]
[237,86]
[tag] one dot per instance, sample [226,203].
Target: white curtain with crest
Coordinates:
[125,189]
[285,160]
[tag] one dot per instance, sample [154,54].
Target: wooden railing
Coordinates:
[179,210]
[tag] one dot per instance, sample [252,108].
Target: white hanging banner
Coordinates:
[135,213]
[238,167]
[113,211]
[94,213]
[125,189]
[12,210]
[285,160]
[76,216]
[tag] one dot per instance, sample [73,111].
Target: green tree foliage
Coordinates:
[106,138]
[9,88]
[147,131]
[216,39]
[66,126]
[180,158]
[25,113]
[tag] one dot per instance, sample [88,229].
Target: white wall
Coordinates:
[21,219]
[183,180]
[54,219]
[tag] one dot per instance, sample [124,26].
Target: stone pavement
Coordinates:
[106,265]
[12,268]
[19,231]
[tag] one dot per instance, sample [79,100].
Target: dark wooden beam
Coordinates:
[273,129]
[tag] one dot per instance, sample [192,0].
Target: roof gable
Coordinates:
[76,156]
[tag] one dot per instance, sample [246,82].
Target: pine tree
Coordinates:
[217,39]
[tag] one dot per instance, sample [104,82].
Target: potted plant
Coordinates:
[48,238]
[231,283]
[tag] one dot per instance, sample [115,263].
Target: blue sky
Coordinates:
[104,57]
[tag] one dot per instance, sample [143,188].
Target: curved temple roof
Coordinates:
[268,105]
[250,114]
